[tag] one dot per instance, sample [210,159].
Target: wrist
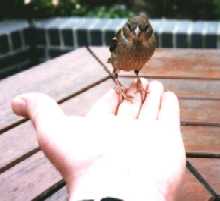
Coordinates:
[107,179]
[101,182]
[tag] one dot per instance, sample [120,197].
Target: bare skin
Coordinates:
[139,156]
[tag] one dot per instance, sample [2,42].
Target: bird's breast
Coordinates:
[132,58]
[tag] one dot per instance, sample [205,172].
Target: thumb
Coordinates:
[38,107]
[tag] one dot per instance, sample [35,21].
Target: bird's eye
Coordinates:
[146,27]
[129,26]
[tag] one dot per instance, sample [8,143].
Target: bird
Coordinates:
[131,47]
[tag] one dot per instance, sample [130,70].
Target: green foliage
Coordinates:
[182,9]
[217,8]
[71,7]
[45,8]
[193,9]
[112,11]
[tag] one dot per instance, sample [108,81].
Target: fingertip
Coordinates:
[156,86]
[39,107]
[169,107]
[170,98]
[144,82]
[19,106]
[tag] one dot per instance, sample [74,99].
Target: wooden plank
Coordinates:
[41,171]
[40,166]
[81,104]
[209,169]
[188,88]
[198,89]
[59,78]
[24,140]
[200,112]
[78,105]
[192,190]
[175,63]
[60,195]
[17,142]
[202,139]
[28,179]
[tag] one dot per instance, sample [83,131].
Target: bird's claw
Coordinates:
[122,94]
[140,89]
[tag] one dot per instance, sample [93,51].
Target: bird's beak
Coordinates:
[137,31]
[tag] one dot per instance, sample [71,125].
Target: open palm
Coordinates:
[136,154]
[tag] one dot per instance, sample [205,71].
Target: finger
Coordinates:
[131,109]
[40,108]
[49,122]
[151,105]
[169,111]
[106,106]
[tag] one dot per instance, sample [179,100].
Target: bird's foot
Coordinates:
[140,89]
[122,94]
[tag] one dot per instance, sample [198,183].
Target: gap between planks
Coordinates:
[69,97]
[185,59]
[84,89]
[170,77]
[188,154]
[201,179]
[36,149]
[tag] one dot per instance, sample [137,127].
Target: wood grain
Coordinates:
[191,190]
[187,88]
[192,88]
[28,179]
[60,195]
[58,78]
[202,139]
[200,112]
[22,139]
[209,168]
[172,63]
[197,82]
[17,142]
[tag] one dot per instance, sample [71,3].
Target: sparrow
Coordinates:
[131,47]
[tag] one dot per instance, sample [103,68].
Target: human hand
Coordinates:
[136,155]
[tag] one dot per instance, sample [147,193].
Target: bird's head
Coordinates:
[138,28]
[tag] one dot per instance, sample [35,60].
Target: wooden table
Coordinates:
[77,80]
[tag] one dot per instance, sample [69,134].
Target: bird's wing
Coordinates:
[114,42]
[113,46]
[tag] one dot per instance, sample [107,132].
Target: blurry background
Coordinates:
[178,9]
[33,31]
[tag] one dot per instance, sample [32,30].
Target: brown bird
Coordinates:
[132,46]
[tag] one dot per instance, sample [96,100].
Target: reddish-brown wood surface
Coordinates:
[22,139]
[59,78]
[202,139]
[78,80]
[191,190]
[28,179]
[172,63]
[209,169]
